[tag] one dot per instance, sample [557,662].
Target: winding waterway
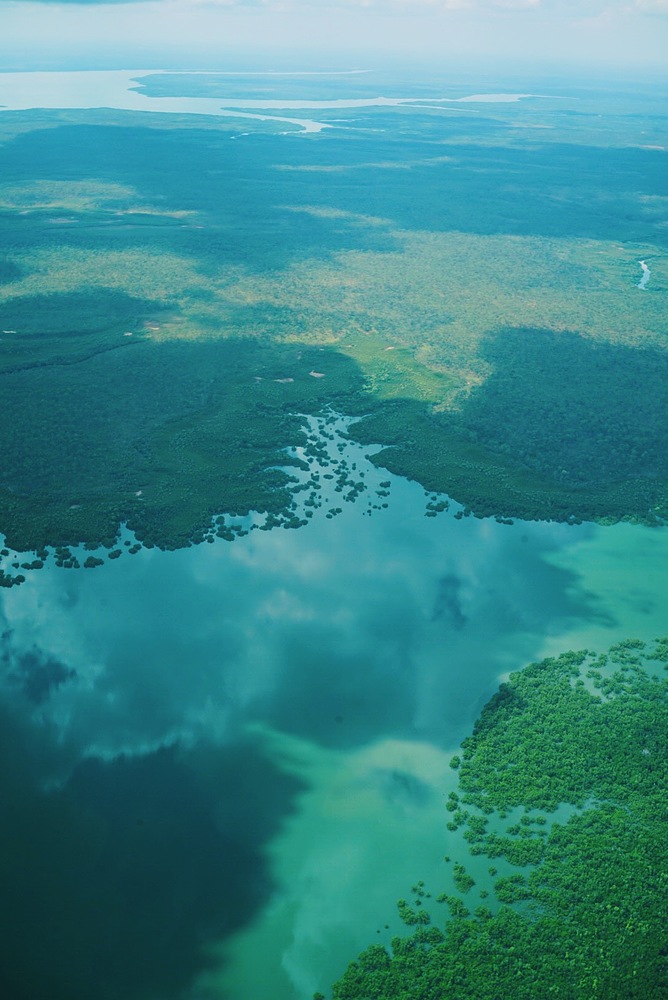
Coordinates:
[88,89]
[121,89]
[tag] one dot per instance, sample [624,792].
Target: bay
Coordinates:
[245,746]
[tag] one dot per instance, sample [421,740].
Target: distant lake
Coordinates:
[260,730]
[88,89]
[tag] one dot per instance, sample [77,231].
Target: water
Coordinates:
[242,749]
[222,766]
[646,275]
[119,89]
[85,89]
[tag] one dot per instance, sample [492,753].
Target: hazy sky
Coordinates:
[590,33]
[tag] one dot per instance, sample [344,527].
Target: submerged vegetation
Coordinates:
[580,910]
[479,310]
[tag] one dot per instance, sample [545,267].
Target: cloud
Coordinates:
[38,676]
[475,8]
[439,6]
[73,3]
[207,34]
[652,6]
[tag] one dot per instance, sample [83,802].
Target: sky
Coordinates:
[625,35]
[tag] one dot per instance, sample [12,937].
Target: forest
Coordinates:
[478,309]
[580,910]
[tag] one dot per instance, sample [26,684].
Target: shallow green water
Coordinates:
[249,764]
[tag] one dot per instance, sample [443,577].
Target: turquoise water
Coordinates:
[229,761]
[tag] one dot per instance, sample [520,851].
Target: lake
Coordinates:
[252,738]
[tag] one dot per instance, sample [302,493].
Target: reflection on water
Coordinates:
[404,621]
[242,749]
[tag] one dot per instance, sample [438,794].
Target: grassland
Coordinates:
[476,305]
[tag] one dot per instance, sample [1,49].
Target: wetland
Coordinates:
[334,573]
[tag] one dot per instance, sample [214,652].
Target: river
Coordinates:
[120,89]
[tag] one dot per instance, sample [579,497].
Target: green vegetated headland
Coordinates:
[574,907]
[167,294]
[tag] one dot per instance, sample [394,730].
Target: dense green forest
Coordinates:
[581,907]
[453,285]
[161,437]
[561,429]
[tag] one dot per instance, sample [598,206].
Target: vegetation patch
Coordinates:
[564,428]
[161,436]
[580,411]
[584,916]
[443,294]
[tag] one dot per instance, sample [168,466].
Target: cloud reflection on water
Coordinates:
[347,638]
[333,633]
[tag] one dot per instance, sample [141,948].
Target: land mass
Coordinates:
[166,295]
